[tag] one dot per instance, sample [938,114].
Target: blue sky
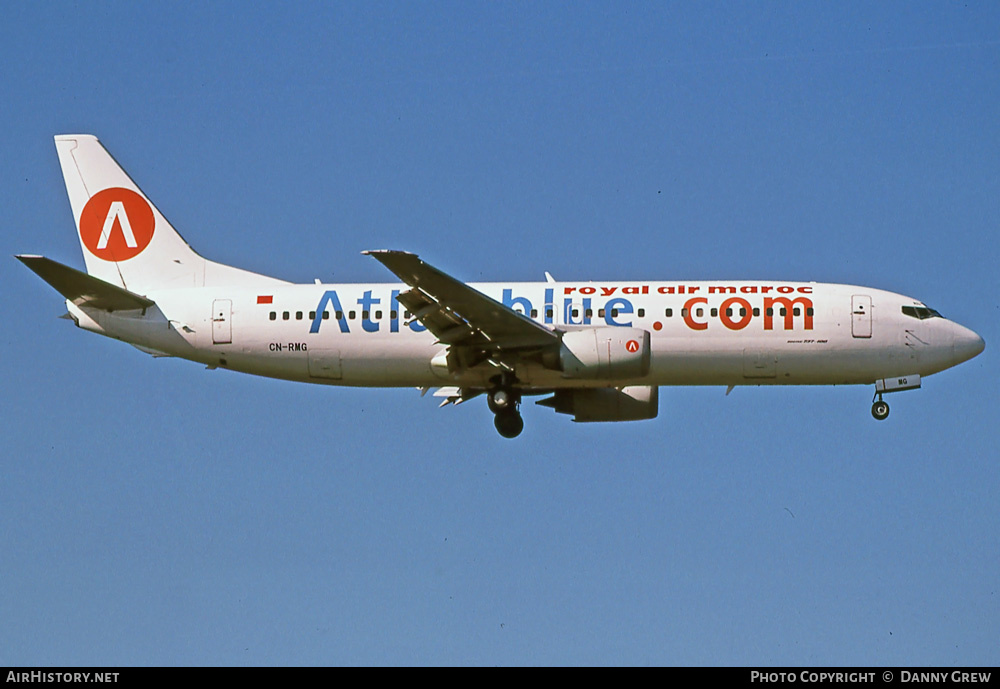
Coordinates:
[153,512]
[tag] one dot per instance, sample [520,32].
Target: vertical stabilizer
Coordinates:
[125,239]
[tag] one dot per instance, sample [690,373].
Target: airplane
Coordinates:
[598,351]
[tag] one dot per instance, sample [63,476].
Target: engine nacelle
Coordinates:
[605,353]
[630,403]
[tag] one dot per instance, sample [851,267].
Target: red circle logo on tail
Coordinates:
[116,224]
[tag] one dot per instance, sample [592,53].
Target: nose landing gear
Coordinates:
[880,410]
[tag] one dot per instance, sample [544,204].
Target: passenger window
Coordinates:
[351,314]
[285,315]
[326,315]
[378,315]
[274,315]
[298,315]
[312,315]
[668,313]
[641,313]
[600,313]
[715,312]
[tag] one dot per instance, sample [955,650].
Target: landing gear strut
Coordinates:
[503,401]
[880,409]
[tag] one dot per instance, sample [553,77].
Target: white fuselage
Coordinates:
[701,333]
[600,350]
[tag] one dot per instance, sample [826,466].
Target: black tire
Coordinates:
[509,424]
[880,410]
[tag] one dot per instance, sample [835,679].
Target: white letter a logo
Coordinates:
[117,210]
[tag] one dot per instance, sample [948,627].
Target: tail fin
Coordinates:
[125,239]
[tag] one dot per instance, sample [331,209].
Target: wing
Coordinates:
[476,327]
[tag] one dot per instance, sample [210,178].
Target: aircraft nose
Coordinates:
[967,344]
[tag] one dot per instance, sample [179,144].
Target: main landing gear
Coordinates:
[503,401]
[880,409]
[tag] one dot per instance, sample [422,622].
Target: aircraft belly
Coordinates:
[286,368]
[384,360]
[389,372]
[758,362]
[330,361]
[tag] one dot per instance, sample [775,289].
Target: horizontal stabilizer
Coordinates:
[83,289]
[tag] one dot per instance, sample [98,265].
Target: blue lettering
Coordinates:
[330,298]
[394,309]
[511,301]
[550,308]
[581,310]
[622,306]
[366,303]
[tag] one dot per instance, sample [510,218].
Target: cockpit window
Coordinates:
[921,312]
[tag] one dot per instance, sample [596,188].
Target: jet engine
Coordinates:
[605,353]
